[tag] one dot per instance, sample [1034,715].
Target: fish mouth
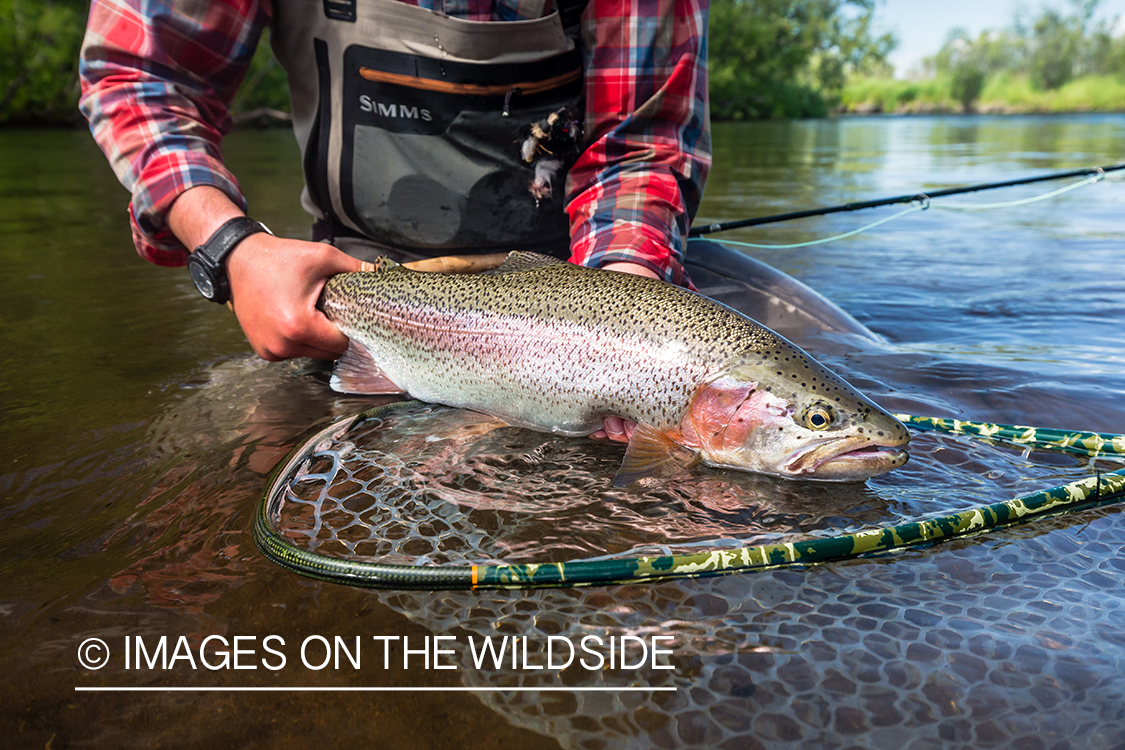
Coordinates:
[846,460]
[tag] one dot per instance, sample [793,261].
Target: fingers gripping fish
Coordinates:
[556,347]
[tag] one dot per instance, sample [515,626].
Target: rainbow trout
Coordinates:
[556,347]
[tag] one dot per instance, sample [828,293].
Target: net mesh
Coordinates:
[426,484]
[1008,640]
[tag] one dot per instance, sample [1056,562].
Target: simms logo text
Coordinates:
[397,111]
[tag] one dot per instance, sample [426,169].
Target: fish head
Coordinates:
[780,412]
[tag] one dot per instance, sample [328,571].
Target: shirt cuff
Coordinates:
[163,180]
[643,229]
[630,247]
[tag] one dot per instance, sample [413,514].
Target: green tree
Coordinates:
[1055,47]
[966,61]
[788,58]
[39,43]
[265,86]
[967,83]
[1051,48]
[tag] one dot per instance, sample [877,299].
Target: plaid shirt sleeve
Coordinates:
[157,78]
[634,191]
[159,75]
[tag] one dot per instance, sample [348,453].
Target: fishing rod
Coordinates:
[921,197]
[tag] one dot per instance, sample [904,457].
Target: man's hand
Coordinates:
[616,429]
[633,268]
[275,282]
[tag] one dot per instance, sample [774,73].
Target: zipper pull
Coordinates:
[508,100]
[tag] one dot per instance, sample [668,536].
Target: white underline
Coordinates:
[372,689]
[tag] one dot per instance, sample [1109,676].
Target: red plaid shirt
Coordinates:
[159,75]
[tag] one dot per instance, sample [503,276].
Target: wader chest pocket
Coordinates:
[430,161]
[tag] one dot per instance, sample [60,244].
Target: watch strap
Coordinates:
[206,263]
[219,245]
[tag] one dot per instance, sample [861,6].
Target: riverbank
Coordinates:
[1001,94]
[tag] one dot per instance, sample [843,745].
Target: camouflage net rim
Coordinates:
[1103,488]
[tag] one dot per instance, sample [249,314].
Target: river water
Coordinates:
[136,433]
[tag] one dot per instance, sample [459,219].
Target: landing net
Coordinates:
[411,495]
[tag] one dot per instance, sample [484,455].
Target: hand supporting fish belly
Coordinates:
[616,429]
[534,344]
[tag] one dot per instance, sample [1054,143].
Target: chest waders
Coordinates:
[430,134]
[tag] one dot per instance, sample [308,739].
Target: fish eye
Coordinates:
[818,417]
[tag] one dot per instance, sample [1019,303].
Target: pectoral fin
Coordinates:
[356,372]
[651,453]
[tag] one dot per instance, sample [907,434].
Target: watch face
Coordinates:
[202,280]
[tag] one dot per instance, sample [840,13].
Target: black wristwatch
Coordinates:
[206,264]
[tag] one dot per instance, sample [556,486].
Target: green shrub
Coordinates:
[265,85]
[966,83]
[39,43]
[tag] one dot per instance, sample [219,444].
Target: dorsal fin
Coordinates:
[383,263]
[521,260]
[651,453]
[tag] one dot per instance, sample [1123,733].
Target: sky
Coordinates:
[922,25]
